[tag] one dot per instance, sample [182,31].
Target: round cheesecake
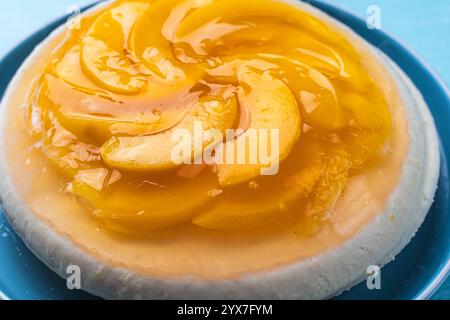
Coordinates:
[88,176]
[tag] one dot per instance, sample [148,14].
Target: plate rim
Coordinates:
[440,275]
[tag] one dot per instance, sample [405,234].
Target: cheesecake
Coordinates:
[202,149]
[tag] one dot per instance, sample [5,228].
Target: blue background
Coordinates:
[422,25]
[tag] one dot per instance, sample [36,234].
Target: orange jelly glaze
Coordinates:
[137,68]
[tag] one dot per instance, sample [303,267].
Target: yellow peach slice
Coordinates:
[95,115]
[104,55]
[262,37]
[148,207]
[232,215]
[152,36]
[238,10]
[68,69]
[64,150]
[316,93]
[273,108]
[367,114]
[320,103]
[332,183]
[296,182]
[83,114]
[154,152]
[365,147]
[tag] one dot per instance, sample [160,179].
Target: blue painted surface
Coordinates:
[420,23]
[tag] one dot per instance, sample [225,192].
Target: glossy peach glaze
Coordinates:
[103,100]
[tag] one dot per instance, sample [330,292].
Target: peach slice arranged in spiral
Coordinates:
[272,106]
[103,55]
[146,207]
[95,117]
[66,152]
[255,8]
[298,180]
[90,111]
[154,152]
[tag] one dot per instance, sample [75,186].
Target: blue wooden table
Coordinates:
[422,25]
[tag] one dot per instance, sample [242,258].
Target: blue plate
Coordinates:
[416,273]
